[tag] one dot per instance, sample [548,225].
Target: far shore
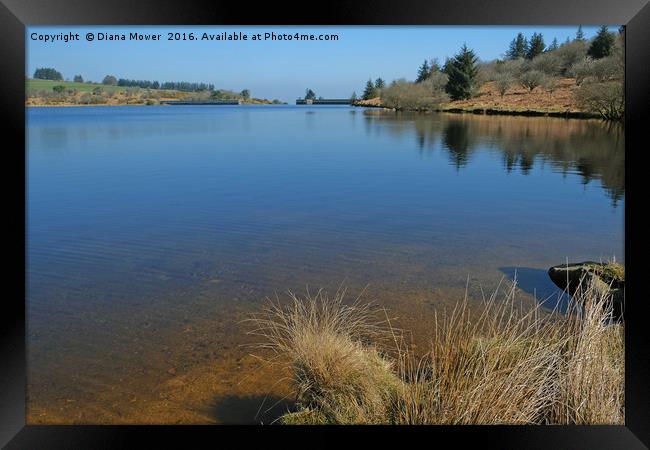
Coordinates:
[502,112]
[517,101]
[467,110]
[65,105]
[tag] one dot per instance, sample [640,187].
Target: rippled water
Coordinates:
[153,231]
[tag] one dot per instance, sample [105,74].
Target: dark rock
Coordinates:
[603,278]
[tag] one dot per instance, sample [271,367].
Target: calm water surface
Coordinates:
[153,231]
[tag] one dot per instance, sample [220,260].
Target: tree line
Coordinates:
[49,73]
[185,86]
[597,66]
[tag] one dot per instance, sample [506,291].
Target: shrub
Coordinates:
[512,67]
[58,89]
[97,99]
[605,98]
[581,70]
[550,84]
[436,85]
[85,99]
[503,82]
[570,54]
[402,94]
[549,63]
[607,68]
[487,72]
[531,79]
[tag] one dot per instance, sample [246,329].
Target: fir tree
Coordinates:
[518,47]
[462,71]
[602,44]
[580,35]
[370,91]
[536,46]
[424,72]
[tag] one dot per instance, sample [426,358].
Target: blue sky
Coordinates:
[274,69]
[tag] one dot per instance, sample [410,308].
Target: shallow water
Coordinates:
[153,231]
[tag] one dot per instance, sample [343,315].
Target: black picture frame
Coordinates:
[15,15]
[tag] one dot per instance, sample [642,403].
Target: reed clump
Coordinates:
[499,363]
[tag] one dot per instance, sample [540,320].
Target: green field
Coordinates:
[34,85]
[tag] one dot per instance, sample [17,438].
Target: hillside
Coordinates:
[42,93]
[517,99]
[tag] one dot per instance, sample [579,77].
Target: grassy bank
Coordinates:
[69,93]
[502,364]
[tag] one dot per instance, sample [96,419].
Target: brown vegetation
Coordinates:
[505,365]
[519,98]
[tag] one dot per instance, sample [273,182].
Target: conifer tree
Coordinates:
[602,44]
[580,35]
[370,91]
[536,46]
[424,72]
[462,71]
[518,47]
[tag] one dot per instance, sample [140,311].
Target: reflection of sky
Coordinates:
[275,69]
[153,232]
[113,190]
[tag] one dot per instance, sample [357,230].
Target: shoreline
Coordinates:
[516,101]
[477,111]
[527,112]
[491,111]
[68,105]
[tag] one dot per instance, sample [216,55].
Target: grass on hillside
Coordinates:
[41,93]
[518,98]
[35,85]
[506,364]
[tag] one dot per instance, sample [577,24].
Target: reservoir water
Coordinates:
[154,232]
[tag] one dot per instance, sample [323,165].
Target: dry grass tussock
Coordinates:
[500,363]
